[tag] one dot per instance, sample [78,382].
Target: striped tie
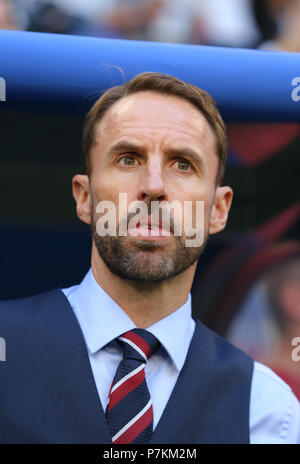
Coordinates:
[129,412]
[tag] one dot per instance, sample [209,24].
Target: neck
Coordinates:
[144,302]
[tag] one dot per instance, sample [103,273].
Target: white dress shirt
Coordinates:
[274,409]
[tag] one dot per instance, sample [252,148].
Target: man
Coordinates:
[118,358]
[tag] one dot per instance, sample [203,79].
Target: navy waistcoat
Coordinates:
[48,393]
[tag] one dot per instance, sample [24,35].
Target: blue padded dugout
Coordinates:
[52,72]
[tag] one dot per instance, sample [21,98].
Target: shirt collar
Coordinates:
[102,320]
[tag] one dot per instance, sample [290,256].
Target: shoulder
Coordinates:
[274,409]
[28,301]
[219,347]
[22,312]
[38,324]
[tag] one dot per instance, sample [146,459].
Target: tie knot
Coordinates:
[139,344]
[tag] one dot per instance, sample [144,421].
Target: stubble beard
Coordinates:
[145,261]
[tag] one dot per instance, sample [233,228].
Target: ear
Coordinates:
[81,194]
[220,209]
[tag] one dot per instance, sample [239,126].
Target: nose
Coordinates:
[152,184]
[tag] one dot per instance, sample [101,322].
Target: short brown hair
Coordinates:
[167,85]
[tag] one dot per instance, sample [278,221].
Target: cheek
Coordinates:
[203,208]
[111,198]
[193,215]
[103,189]
[115,181]
[197,193]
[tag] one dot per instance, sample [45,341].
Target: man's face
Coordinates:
[158,148]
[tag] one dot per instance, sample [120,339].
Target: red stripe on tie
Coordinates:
[139,341]
[130,434]
[125,388]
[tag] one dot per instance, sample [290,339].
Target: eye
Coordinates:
[128,160]
[183,165]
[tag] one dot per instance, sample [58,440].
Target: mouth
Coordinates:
[150,229]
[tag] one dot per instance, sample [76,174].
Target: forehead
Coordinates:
[154,112]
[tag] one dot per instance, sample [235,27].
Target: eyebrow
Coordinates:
[124,146]
[180,152]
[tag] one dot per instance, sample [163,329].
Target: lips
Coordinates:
[150,222]
[149,227]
